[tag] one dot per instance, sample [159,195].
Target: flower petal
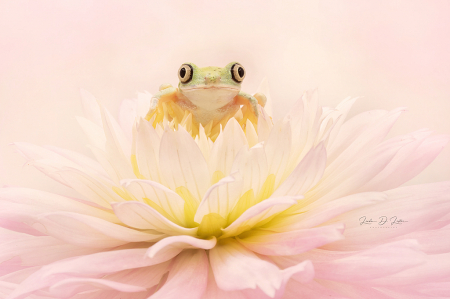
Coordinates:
[253,272]
[92,265]
[146,150]
[220,197]
[166,199]
[182,163]
[226,147]
[278,149]
[408,162]
[142,216]
[180,242]
[306,175]
[258,213]
[187,278]
[30,202]
[72,286]
[89,231]
[315,214]
[292,242]
[265,125]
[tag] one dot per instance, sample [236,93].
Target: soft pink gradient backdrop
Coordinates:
[394,53]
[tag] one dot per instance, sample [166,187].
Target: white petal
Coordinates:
[306,175]
[142,216]
[220,198]
[180,243]
[252,167]
[146,150]
[226,147]
[165,198]
[89,231]
[250,133]
[265,125]
[182,163]
[258,213]
[278,150]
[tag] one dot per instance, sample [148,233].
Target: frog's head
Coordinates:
[210,88]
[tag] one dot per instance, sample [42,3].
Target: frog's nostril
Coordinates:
[212,78]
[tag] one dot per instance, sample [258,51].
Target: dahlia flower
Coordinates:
[309,206]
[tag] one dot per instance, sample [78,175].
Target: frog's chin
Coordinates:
[210,97]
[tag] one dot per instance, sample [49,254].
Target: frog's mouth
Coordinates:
[213,87]
[210,97]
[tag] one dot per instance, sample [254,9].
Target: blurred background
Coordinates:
[393,53]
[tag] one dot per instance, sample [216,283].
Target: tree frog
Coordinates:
[209,93]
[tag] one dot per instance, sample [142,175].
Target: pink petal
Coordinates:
[38,201]
[316,214]
[187,277]
[236,268]
[38,251]
[408,162]
[379,261]
[93,266]
[72,286]
[418,205]
[291,242]
[361,133]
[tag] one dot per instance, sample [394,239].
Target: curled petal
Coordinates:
[180,243]
[253,272]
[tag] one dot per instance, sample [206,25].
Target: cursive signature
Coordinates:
[382,220]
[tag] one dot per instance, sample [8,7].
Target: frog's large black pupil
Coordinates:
[241,72]
[182,72]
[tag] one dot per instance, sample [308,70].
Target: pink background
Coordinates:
[393,53]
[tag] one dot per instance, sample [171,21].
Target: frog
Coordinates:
[209,93]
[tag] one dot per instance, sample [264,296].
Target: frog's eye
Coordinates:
[237,72]
[185,73]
